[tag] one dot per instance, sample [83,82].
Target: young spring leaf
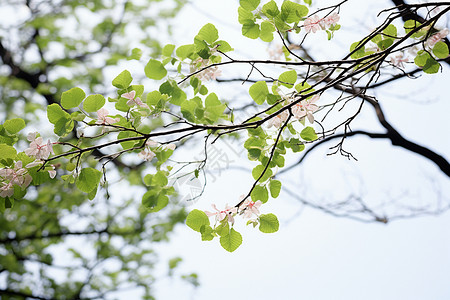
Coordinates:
[440,49]
[14,125]
[249,4]
[231,241]
[288,78]
[308,134]
[270,9]
[196,219]
[155,70]
[123,80]
[260,193]
[93,103]
[88,179]
[72,98]
[259,91]
[268,223]
[208,33]
[275,188]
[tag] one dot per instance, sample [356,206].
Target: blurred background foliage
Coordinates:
[56,244]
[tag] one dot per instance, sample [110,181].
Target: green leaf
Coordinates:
[62,120]
[245,16]
[260,193]
[213,108]
[267,30]
[431,66]
[155,70]
[88,179]
[275,188]
[123,80]
[296,145]
[173,263]
[288,78]
[249,4]
[293,12]
[256,172]
[91,194]
[72,98]
[77,116]
[384,44]
[168,50]
[259,91]
[280,24]
[185,51]
[196,219]
[154,201]
[136,54]
[391,31]
[303,86]
[13,126]
[411,25]
[358,53]
[426,62]
[171,88]
[188,110]
[223,228]
[163,155]
[421,59]
[224,46]
[202,49]
[440,49]
[93,103]
[208,33]
[160,179]
[153,98]
[270,9]
[308,134]
[7,152]
[231,241]
[268,223]
[250,29]
[207,233]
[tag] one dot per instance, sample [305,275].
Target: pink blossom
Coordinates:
[132,101]
[306,108]
[7,190]
[52,172]
[432,40]
[398,60]
[331,19]
[249,207]
[15,176]
[152,143]
[171,146]
[435,11]
[34,164]
[209,73]
[146,155]
[278,120]
[313,24]
[38,148]
[222,214]
[103,118]
[277,53]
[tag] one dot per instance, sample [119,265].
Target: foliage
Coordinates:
[108,245]
[153,125]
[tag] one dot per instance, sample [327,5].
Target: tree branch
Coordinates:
[408,14]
